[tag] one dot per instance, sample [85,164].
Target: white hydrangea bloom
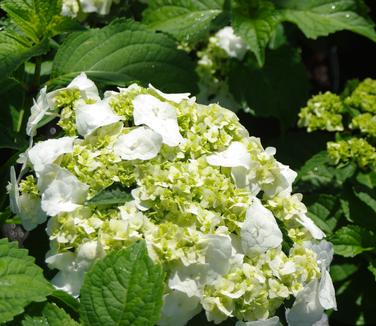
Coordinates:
[141,143]
[236,155]
[177,98]
[315,231]
[61,190]
[90,117]
[46,152]
[159,116]
[234,46]
[72,7]
[274,321]
[38,111]
[260,230]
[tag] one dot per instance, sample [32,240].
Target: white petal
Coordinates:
[38,111]
[180,282]
[240,176]
[61,260]
[282,185]
[327,296]
[218,252]
[178,309]
[324,251]
[86,86]
[61,190]
[14,193]
[274,321]
[141,143]
[260,230]
[177,98]
[101,7]
[31,213]
[46,152]
[306,309]
[324,321]
[236,155]
[311,227]
[89,117]
[159,116]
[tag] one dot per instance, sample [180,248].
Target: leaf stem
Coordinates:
[37,71]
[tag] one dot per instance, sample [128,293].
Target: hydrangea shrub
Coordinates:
[214,207]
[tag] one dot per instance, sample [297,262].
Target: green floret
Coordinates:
[356,149]
[29,186]
[323,112]
[364,96]
[366,123]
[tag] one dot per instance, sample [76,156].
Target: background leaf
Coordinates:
[124,52]
[187,20]
[22,281]
[124,288]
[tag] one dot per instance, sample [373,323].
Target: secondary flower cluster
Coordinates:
[214,207]
[213,66]
[73,7]
[352,115]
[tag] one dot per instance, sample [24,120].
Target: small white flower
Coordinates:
[102,7]
[260,230]
[159,116]
[233,45]
[177,98]
[305,221]
[236,155]
[46,152]
[327,295]
[141,143]
[61,190]
[86,86]
[90,117]
[282,185]
[70,8]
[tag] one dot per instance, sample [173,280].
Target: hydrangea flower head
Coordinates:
[214,207]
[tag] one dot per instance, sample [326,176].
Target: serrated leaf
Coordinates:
[319,172]
[66,299]
[124,288]
[279,89]
[109,197]
[352,240]
[22,281]
[342,272]
[124,52]
[367,179]
[13,53]
[321,17]
[366,199]
[255,25]
[52,315]
[187,20]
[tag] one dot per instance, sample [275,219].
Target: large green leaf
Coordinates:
[322,17]
[255,25]
[279,89]
[52,315]
[113,195]
[123,52]
[341,272]
[13,53]
[124,288]
[187,20]
[21,281]
[352,240]
[366,199]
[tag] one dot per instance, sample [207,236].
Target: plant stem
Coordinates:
[36,81]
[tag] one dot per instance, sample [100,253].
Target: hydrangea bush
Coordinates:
[214,207]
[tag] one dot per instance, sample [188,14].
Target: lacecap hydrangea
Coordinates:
[214,207]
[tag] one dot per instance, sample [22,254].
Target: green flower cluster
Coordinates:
[352,115]
[214,207]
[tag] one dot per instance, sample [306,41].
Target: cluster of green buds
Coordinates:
[352,115]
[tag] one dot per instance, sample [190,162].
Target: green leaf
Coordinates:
[367,199]
[318,172]
[352,240]
[113,195]
[367,179]
[124,288]
[38,19]
[372,267]
[13,53]
[22,281]
[342,272]
[322,17]
[279,89]
[62,297]
[323,209]
[52,315]
[186,20]
[124,52]
[255,25]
